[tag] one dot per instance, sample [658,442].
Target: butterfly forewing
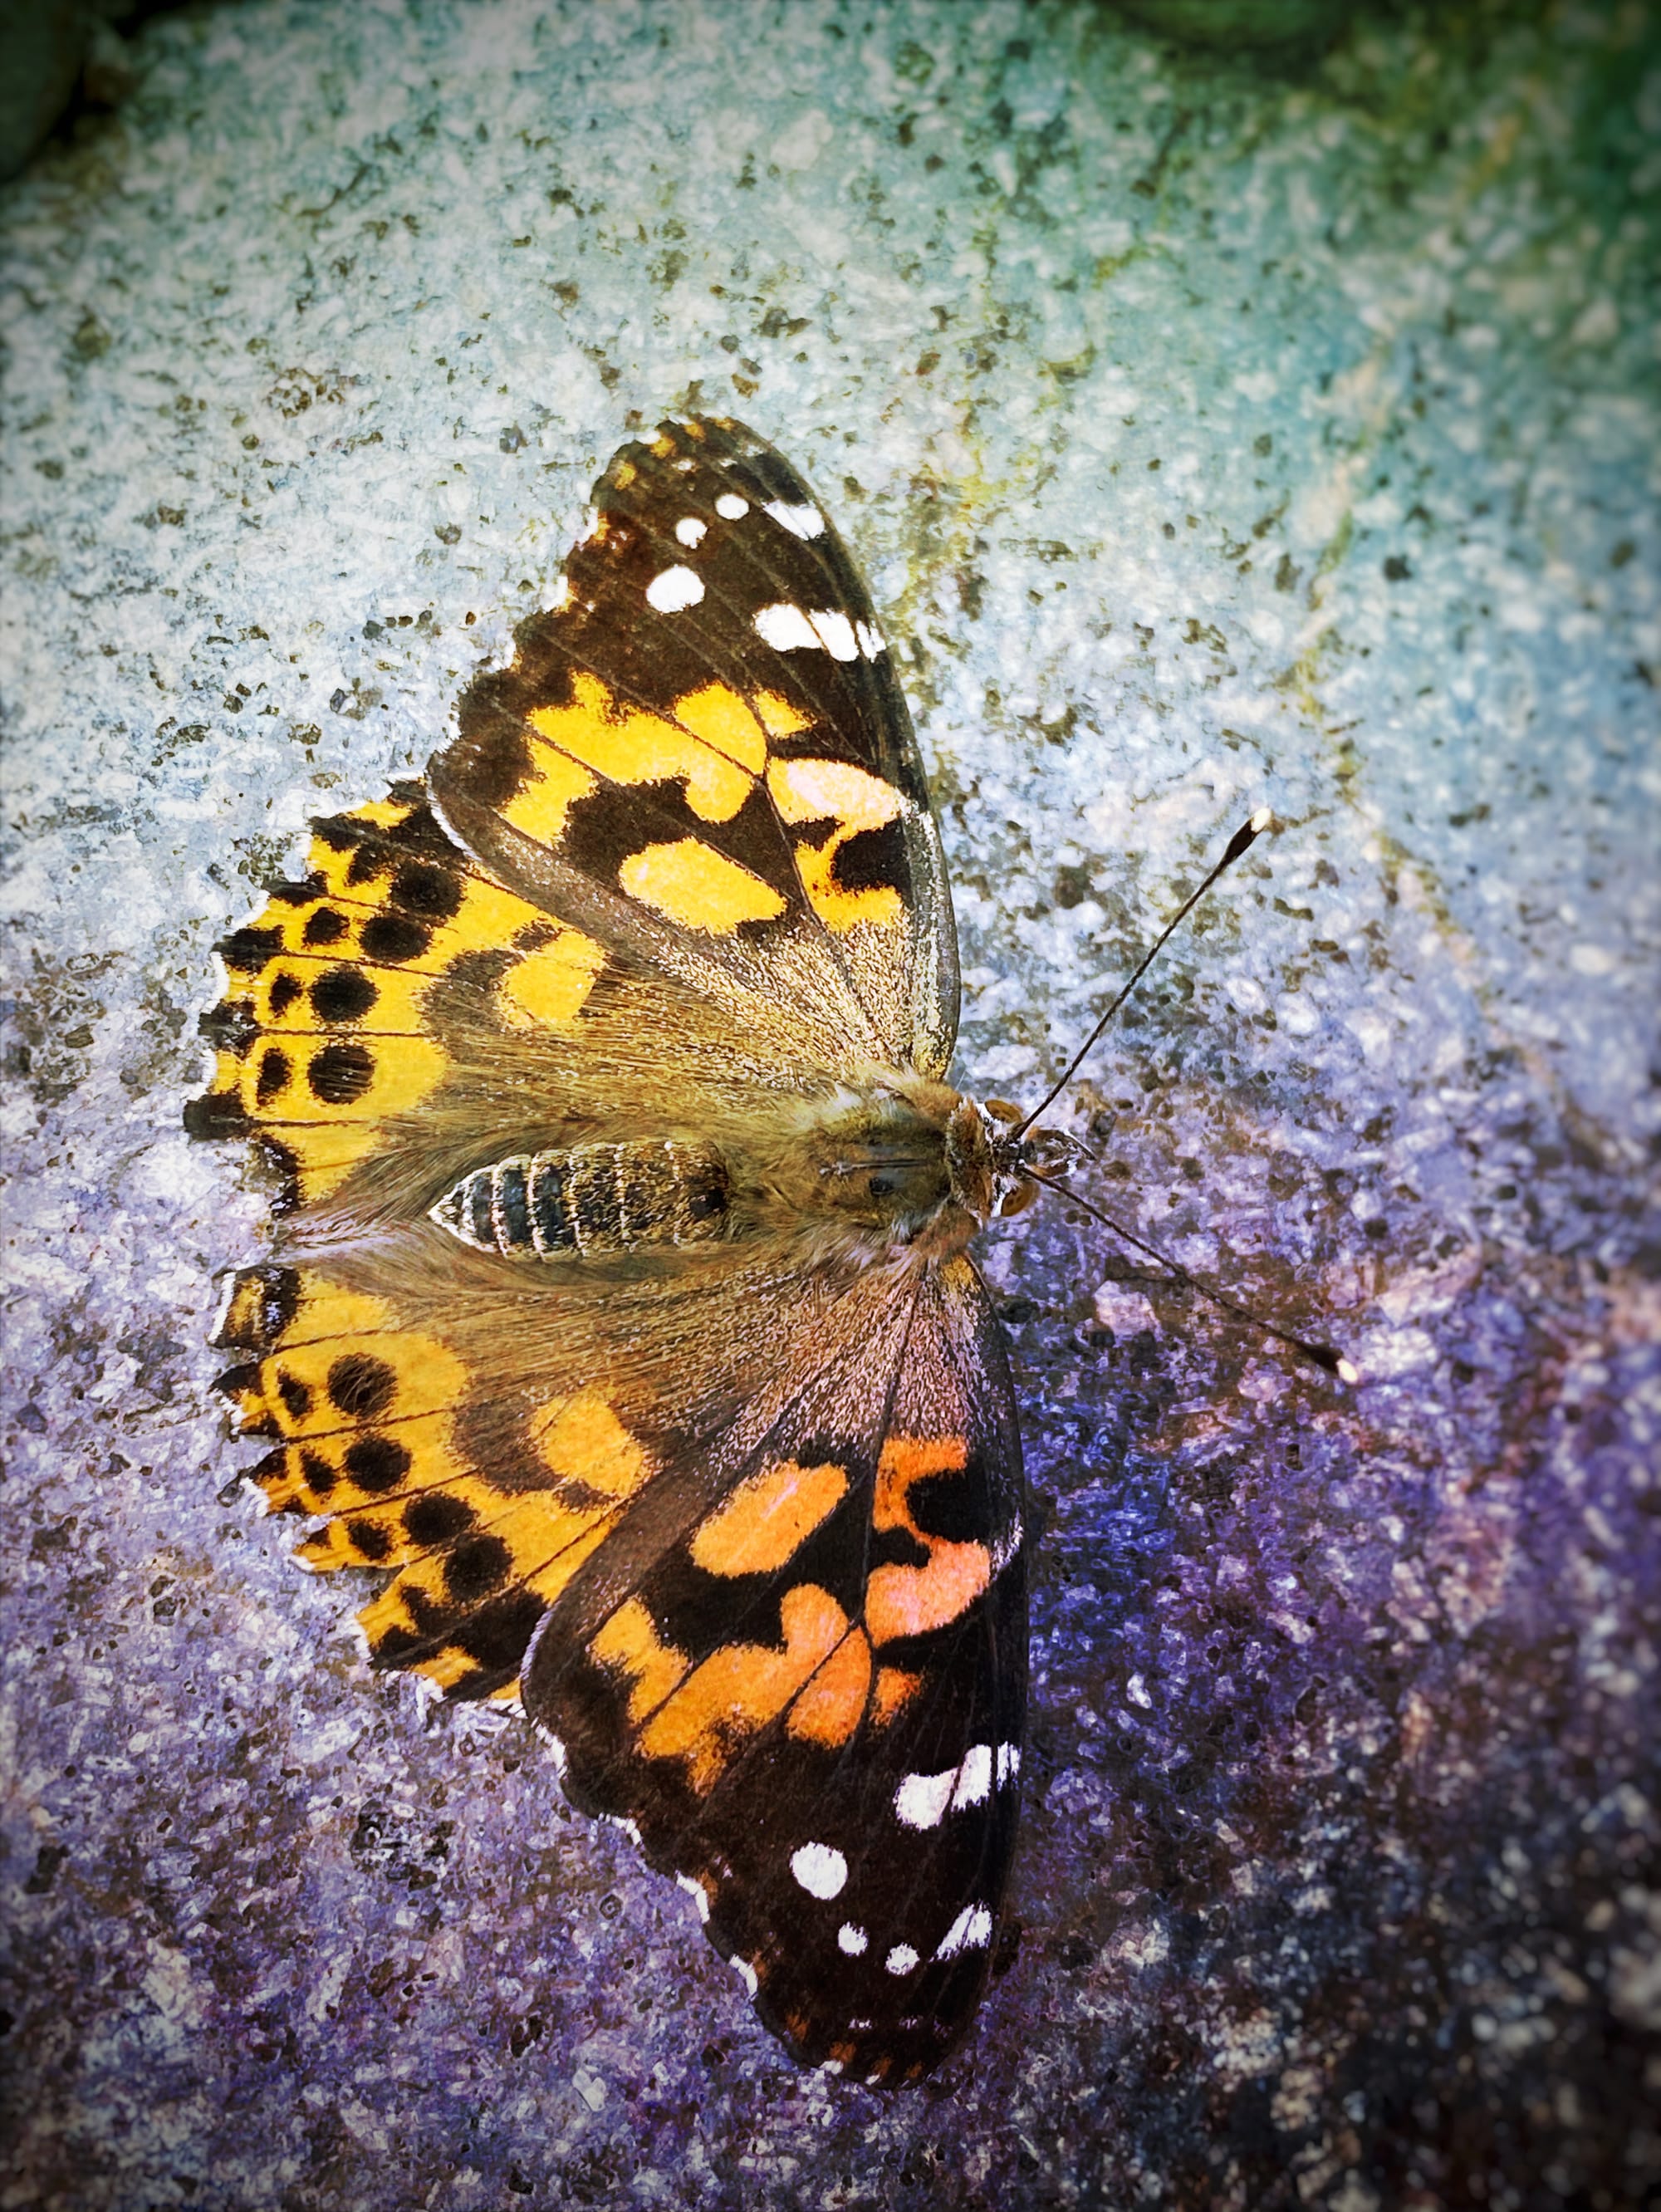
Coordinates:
[704,754]
[740,1524]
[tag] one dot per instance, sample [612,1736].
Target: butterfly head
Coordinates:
[993,1155]
[908,1166]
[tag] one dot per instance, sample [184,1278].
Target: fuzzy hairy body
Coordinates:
[897,1165]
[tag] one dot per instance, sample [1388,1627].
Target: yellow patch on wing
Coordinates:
[767,1518]
[742,1687]
[815,790]
[362,1470]
[911,1600]
[626,745]
[553,786]
[319,1388]
[580,1441]
[549,987]
[721,718]
[778,717]
[690,883]
[325,1031]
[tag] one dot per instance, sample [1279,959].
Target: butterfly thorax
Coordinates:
[894,1165]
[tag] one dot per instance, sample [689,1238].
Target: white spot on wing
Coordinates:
[921,1800]
[800,521]
[1008,1763]
[1005,1547]
[697,1892]
[972,1930]
[690,529]
[730,507]
[674,590]
[830,2066]
[901,1959]
[835,634]
[746,1974]
[974,1776]
[850,1940]
[556,1746]
[871,641]
[794,629]
[822,1870]
[785,628]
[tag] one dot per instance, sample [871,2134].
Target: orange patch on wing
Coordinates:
[895,1689]
[831,1705]
[911,1600]
[767,1518]
[688,882]
[740,1689]
[628,1644]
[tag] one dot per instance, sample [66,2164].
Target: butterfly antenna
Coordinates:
[1243,839]
[1329,1361]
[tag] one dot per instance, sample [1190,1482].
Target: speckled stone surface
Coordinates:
[1211,437]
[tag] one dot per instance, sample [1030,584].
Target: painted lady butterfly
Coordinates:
[623,1312]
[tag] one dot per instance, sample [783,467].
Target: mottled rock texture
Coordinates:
[1213,436]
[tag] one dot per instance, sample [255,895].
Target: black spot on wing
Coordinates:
[952,1505]
[436,1519]
[344,994]
[700,1613]
[394,937]
[360,1386]
[275,1070]
[246,951]
[377,1463]
[427,890]
[603,831]
[873,858]
[341,1073]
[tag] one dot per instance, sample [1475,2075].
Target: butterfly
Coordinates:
[621,1310]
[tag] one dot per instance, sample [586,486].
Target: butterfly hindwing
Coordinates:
[810,1704]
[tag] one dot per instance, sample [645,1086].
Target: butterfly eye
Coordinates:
[883,1185]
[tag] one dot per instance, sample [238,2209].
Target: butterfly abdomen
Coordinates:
[589,1199]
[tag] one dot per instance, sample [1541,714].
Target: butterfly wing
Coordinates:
[807,1697]
[625,1470]
[704,754]
[748,1544]
[396,1016]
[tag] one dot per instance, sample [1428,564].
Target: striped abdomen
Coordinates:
[590,1198]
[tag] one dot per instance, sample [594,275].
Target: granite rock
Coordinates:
[1211,439]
